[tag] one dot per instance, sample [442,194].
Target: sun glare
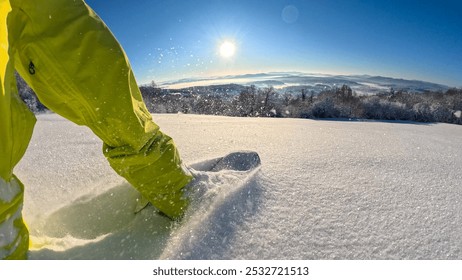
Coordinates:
[227,49]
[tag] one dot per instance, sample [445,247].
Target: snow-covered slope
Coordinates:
[326,190]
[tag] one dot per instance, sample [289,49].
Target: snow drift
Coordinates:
[326,190]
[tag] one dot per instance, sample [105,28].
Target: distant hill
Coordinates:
[225,89]
[295,81]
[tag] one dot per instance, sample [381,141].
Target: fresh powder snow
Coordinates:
[327,189]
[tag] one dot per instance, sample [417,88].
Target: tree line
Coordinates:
[338,102]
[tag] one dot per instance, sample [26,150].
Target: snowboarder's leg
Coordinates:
[16,125]
[77,68]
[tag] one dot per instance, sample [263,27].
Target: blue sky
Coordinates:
[173,39]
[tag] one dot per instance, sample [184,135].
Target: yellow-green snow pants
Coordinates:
[77,68]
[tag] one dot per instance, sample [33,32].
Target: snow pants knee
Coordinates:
[77,69]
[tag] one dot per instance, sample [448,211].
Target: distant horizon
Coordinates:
[234,79]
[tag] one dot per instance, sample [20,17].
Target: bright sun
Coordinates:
[227,49]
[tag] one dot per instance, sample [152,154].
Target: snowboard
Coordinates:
[240,161]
